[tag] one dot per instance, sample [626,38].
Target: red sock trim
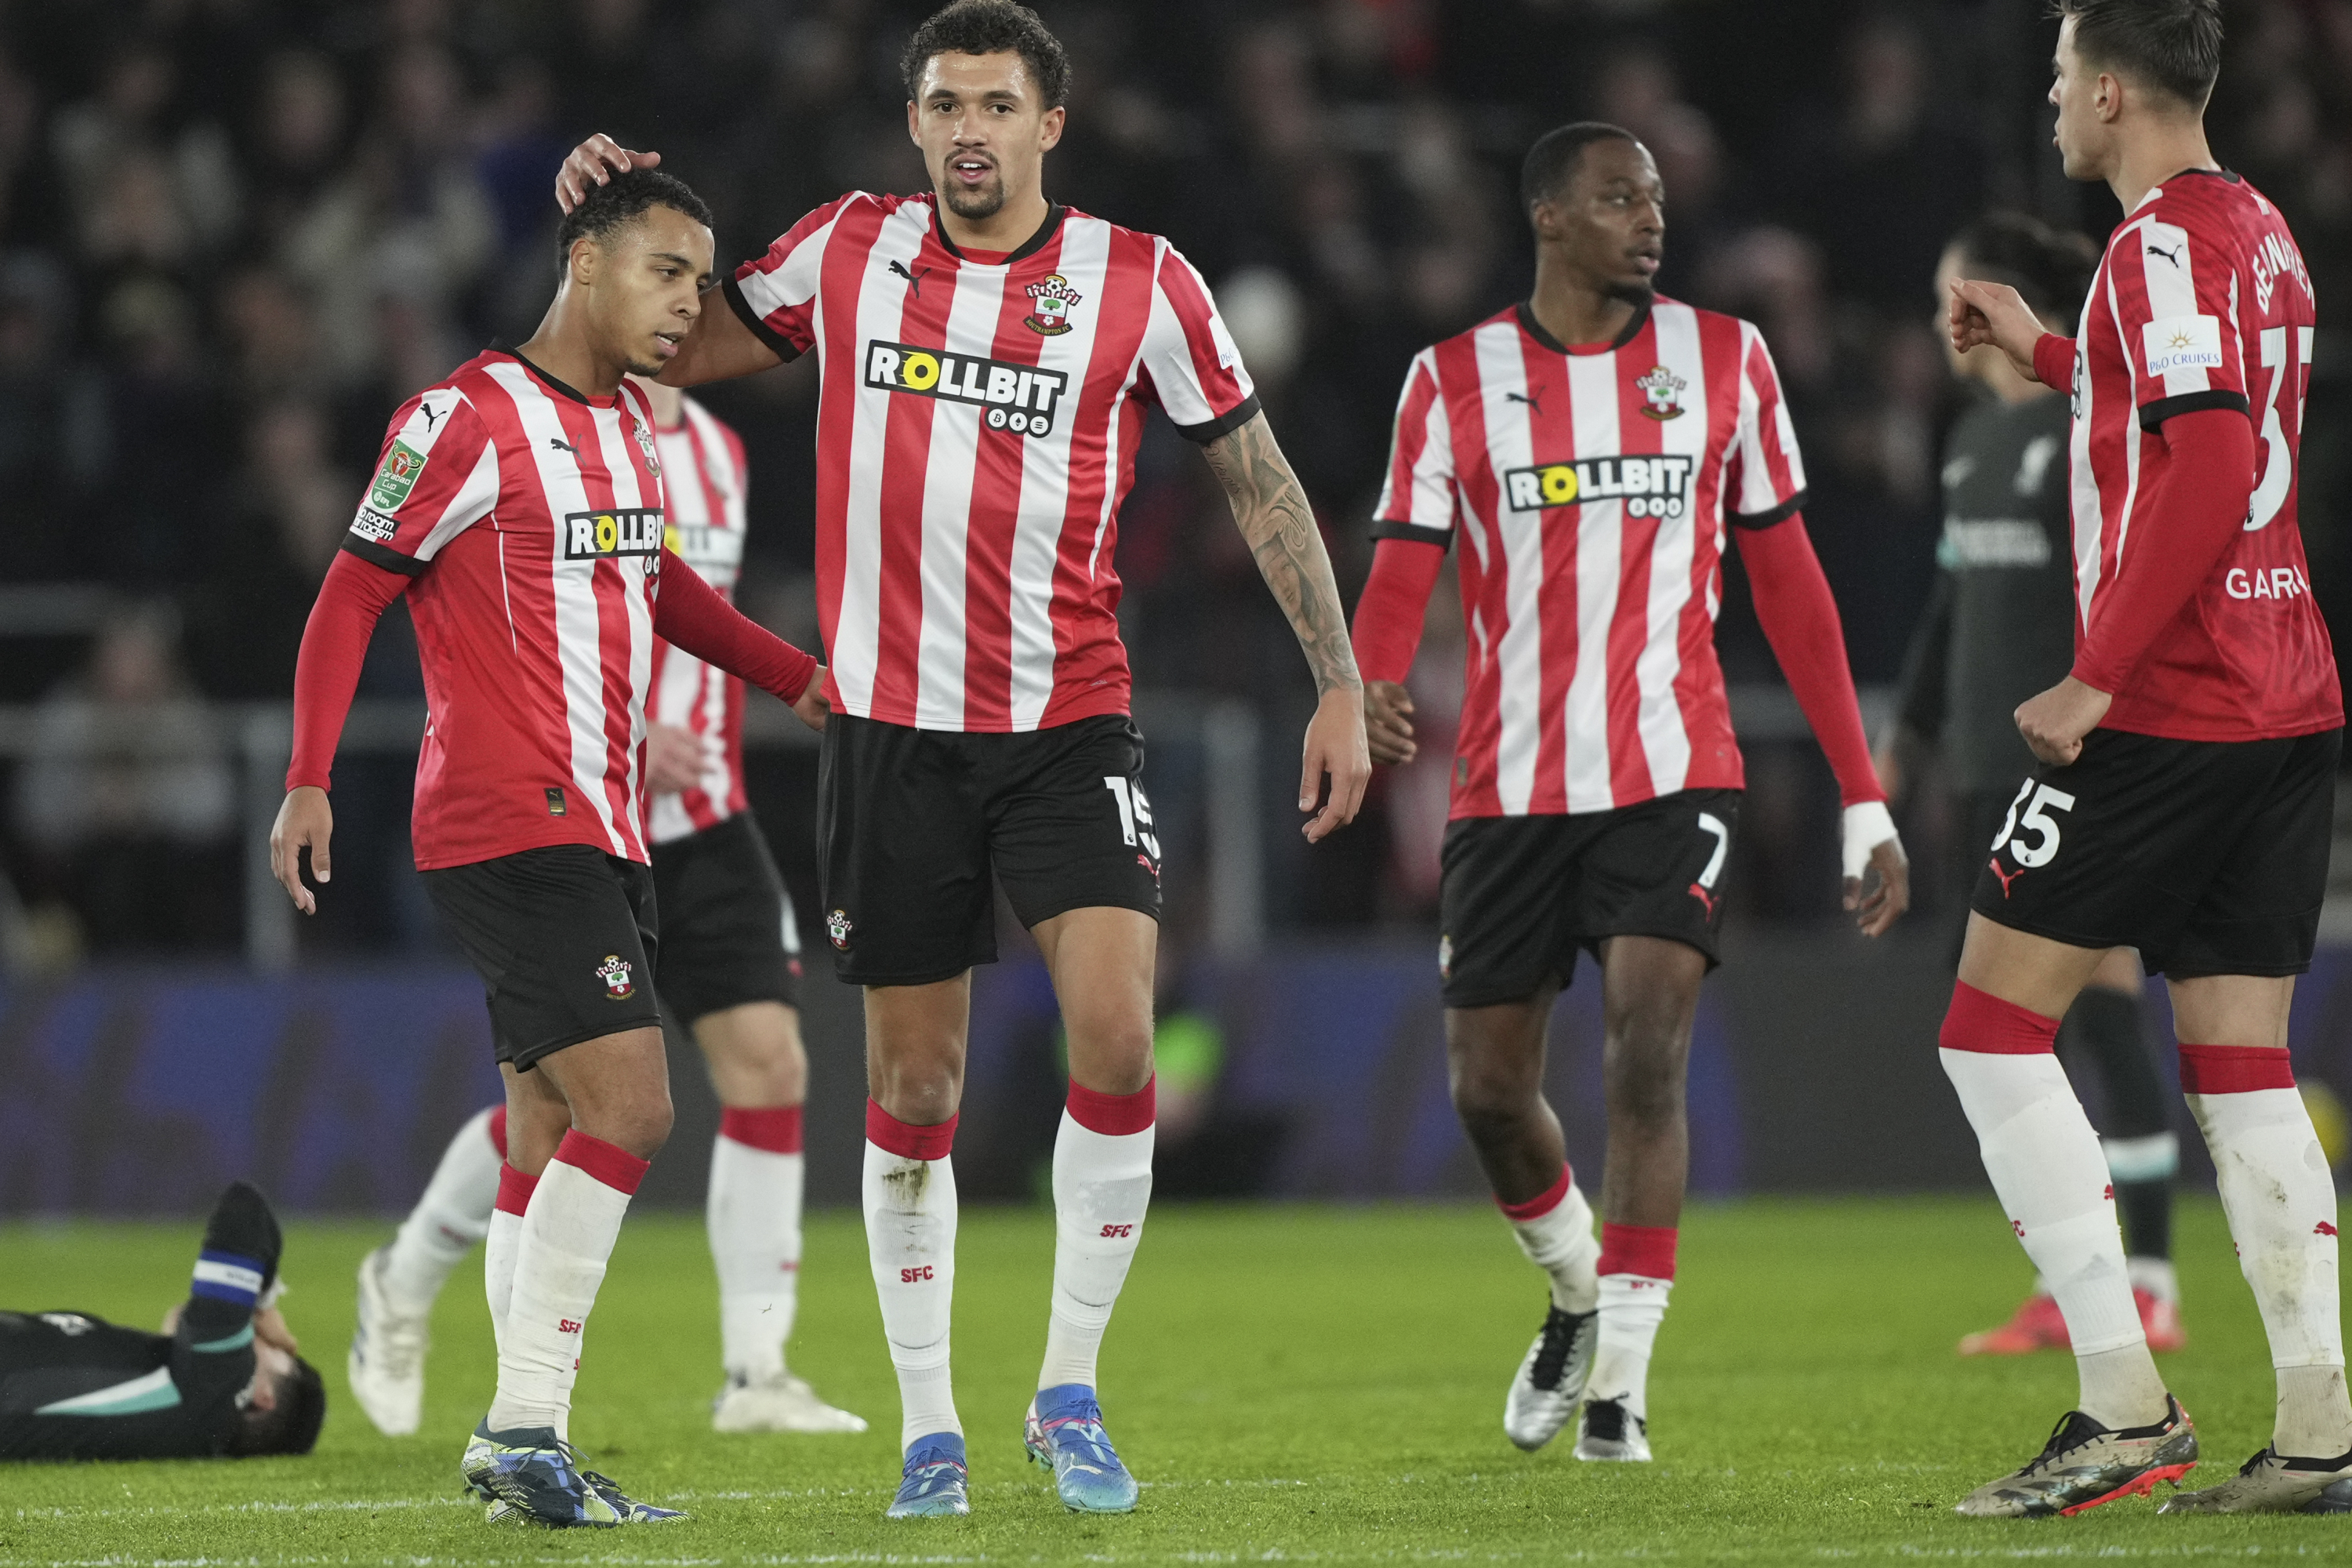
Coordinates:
[2234,1069]
[1647,1250]
[514,1190]
[499,1131]
[775,1128]
[1978,1021]
[607,1163]
[892,1136]
[1115,1115]
[1544,1202]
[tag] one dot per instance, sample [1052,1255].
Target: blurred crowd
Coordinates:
[234,234]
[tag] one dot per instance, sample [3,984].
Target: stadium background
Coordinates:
[234,234]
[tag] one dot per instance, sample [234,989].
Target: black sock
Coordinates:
[2145,1209]
[2105,1025]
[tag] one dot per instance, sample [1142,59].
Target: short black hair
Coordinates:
[991,27]
[621,201]
[289,1427]
[1553,158]
[2049,268]
[2174,45]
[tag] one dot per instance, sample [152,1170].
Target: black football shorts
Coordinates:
[1519,895]
[911,824]
[564,938]
[2210,856]
[728,927]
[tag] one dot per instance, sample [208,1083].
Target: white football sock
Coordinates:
[1561,1242]
[505,1238]
[1631,1308]
[2051,1178]
[754,1216]
[1102,1184]
[910,1225]
[567,1238]
[447,1220]
[2281,1201]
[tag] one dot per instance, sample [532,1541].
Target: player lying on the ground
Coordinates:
[731,968]
[519,505]
[987,359]
[221,1381]
[1589,444]
[2000,627]
[2185,802]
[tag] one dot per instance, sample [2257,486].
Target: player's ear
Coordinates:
[913,132]
[1050,128]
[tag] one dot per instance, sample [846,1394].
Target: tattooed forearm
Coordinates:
[1272,512]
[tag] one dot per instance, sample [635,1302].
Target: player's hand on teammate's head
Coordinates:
[812,709]
[593,163]
[1997,314]
[1335,749]
[304,819]
[1388,722]
[1889,894]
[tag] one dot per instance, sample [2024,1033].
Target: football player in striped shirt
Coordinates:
[518,504]
[1587,446]
[2185,805]
[988,358]
[731,968]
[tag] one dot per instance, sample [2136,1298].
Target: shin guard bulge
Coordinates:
[1554,1230]
[567,1238]
[909,1198]
[1102,1186]
[754,1218]
[2051,1175]
[453,1215]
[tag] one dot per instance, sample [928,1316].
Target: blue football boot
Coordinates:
[529,1473]
[935,1483]
[1064,1431]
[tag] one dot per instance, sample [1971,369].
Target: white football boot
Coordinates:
[1550,1381]
[780,1403]
[386,1365]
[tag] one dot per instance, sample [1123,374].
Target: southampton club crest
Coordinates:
[1050,316]
[615,973]
[645,444]
[1664,389]
[836,927]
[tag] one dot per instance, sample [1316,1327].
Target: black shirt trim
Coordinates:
[2152,416]
[2230,174]
[778,344]
[1390,528]
[1055,212]
[376,554]
[1535,329]
[1781,513]
[573,392]
[1224,424]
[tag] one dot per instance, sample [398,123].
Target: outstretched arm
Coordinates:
[1801,622]
[1271,510]
[691,615]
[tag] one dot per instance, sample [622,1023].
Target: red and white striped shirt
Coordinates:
[976,433]
[704,471]
[1593,484]
[2201,300]
[529,516]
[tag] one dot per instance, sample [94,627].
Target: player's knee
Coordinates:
[1489,1096]
[921,1092]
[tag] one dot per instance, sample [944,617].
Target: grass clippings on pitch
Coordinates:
[1291,1384]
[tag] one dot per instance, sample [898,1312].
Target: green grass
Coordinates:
[1292,1383]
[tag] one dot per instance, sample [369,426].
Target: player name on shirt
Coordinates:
[976,433]
[1591,487]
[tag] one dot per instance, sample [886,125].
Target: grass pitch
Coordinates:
[1291,1384]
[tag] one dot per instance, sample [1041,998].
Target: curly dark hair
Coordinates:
[2174,45]
[991,27]
[621,201]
